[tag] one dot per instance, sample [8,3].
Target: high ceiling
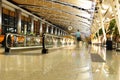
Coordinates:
[104,13]
[65,13]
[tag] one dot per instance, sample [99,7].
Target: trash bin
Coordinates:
[109,44]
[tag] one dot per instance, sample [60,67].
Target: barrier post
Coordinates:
[44,50]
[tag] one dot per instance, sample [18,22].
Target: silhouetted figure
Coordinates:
[44,50]
[9,41]
[78,37]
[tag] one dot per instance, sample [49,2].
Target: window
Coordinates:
[9,23]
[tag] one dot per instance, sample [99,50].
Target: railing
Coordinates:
[17,41]
[52,40]
[57,41]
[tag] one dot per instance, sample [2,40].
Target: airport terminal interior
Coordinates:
[38,40]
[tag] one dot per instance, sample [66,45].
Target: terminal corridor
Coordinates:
[59,39]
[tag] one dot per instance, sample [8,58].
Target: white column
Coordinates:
[61,32]
[32,24]
[55,31]
[51,29]
[58,31]
[19,21]
[47,28]
[102,23]
[41,28]
[25,29]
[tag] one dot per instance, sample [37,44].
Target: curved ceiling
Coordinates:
[105,10]
[85,15]
[62,13]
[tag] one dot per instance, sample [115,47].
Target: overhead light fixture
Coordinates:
[70,28]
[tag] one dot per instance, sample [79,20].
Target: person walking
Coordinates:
[78,38]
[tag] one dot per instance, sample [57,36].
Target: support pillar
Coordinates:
[102,23]
[47,28]
[32,24]
[52,30]
[41,28]
[18,21]
[56,31]
[61,32]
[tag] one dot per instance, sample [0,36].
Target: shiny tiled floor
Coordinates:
[69,63]
[110,70]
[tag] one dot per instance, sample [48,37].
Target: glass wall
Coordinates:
[9,21]
[25,22]
[37,27]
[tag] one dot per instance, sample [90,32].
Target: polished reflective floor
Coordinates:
[110,70]
[69,63]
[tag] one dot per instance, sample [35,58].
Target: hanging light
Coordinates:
[70,28]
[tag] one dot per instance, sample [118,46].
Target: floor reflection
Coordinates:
[109,70]
[69,63]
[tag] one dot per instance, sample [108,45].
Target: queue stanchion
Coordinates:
[44,50]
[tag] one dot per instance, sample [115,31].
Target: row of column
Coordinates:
[58,31]
[102,22]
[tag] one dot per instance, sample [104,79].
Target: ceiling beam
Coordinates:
[36,6]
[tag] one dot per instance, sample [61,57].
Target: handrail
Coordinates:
[21,38]
[27,41]
[53,35]
[6,37]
